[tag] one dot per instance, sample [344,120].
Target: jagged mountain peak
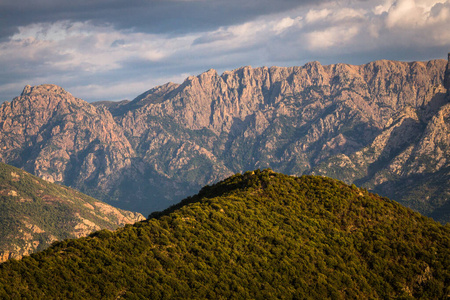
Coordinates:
[210,72]
[153,96]
[46,98]
[56,136]
[215,101]
[42,89]
[313,65]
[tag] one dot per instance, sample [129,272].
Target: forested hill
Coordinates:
[259,235]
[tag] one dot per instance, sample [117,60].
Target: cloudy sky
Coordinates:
[117,49]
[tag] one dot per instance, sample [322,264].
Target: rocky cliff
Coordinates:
[447,75]
[295,120]
[60,138]
[34,213]
[379,124]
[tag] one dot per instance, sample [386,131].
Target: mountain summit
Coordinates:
[60,138]
[382,125]
[44,89]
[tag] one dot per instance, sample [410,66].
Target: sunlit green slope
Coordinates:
[260,235]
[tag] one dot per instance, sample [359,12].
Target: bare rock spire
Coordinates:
[447,75]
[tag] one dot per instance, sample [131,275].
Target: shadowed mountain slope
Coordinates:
[34,213]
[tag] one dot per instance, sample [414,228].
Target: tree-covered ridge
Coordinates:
[34,213]
[259,235]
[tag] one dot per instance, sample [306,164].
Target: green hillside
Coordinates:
[260,235]
[34,213]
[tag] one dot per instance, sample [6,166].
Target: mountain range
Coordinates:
[257,235]
[35,213]
[383,125]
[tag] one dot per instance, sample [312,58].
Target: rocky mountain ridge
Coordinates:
[35,213]
[55,136]
[375,124]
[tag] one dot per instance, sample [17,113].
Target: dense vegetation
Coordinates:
[259,235]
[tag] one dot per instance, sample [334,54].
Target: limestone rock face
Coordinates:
[447,75]
[36,213]
[290,119]
[378,125]
[63,139]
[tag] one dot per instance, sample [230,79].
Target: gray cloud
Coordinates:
[154,16]
[213,37]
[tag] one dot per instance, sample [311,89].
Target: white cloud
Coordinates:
[331,37]
[411,14]
[286,23]
[335,14]
[348,14]
[314,16]
[87,47]
[410,24]
[405,13]
[382,8]
[439,13]
[50,31]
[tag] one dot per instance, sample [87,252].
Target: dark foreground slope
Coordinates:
[260,235]
[34,213]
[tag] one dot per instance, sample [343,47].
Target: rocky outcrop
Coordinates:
[447,75]
[63,139]
[367,124]
[35,213]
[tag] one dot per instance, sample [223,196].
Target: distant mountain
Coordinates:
[382,125]
[35,213]
[260,235]
[60,138]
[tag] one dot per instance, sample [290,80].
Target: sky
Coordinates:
[118,49]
